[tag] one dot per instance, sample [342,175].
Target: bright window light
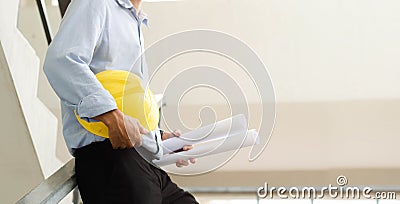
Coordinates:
[382,201]
[54,2]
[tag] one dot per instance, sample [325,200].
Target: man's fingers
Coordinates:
[114,146]
[126,133]
[122,147]
[185,163]
[187,147]
[177,133]
[138,136]
[133,131]
[139,142]
[131,144]
[181,163]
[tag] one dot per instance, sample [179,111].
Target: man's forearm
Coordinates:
[110,117]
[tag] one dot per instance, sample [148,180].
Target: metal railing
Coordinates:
[63,5]
[54,188]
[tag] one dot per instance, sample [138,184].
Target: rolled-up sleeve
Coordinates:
[69,55]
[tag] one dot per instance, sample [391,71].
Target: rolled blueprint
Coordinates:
[214,146]
[220,129]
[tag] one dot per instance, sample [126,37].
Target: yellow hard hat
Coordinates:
[131,99]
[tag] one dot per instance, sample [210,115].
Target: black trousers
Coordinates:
[112,176]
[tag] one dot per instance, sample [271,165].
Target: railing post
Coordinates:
[43,16]
[76,197]
[63,5]
[54,188]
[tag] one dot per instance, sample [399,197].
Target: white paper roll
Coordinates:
[220,129]
[215,146]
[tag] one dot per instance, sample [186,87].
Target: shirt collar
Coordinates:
[128,5]
[125,3]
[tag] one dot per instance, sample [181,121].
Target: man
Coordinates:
[98,35]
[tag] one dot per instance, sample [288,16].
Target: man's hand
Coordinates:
[177,133]
[123,131]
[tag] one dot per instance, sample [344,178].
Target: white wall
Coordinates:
[19,166]
[331,50]
[24,67]
[30,25]
[335,68]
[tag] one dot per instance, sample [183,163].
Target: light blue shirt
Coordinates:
[94,35]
